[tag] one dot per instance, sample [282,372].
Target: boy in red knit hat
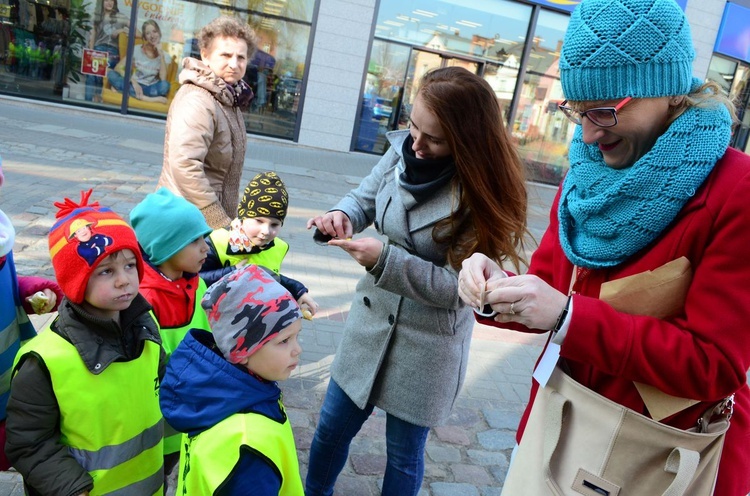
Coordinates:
[83,413]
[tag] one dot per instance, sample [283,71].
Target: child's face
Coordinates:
[112,286]
[261,230]
[276,359]
[190,259]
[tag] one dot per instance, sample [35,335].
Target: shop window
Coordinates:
[415,36]
[76,51]
[540,130]
[34,38]
[721,71]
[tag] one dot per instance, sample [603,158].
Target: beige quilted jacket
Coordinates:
[204,144]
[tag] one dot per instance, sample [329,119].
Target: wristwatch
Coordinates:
[563,316]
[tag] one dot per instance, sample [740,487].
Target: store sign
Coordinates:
[94,62]
[734,33]
[570,5]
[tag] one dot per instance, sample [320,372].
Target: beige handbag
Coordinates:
[579,442]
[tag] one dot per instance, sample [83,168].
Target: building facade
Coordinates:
[338,74]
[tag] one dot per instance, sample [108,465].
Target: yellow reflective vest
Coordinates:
[270,258]
[110,421]
[207,459]
[172,336]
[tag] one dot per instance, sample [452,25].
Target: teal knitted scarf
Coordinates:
[607,215]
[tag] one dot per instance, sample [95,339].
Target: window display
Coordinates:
[76,51]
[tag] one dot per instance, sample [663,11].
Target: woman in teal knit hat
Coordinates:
[654,193]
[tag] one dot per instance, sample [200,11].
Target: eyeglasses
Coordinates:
[601,116]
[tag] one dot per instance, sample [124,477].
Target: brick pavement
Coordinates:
[50,151]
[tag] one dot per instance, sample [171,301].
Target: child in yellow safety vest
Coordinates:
[171,233]
[221,389]
[252,238]
[83,412]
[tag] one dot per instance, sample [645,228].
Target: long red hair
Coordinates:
[489,185]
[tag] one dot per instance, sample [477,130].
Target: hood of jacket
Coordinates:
[201,388]
[154,280]
[196,72]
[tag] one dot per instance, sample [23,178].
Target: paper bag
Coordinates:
[657,293]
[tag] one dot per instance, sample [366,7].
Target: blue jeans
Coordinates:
[340,420]
[159,88]
[94,83]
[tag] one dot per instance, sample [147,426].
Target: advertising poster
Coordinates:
[168,14]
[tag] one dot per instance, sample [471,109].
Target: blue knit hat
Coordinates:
[165,223]
[619,48]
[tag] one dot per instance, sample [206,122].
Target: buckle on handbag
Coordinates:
[726,407]
[725,410]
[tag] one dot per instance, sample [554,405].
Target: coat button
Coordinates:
[366,301]
[391,319]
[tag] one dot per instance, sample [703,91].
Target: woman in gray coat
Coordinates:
[406,342]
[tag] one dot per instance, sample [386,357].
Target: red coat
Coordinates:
[702,353]
[173,301]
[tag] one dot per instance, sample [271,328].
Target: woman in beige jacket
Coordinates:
[205,141]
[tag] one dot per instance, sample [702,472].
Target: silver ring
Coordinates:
[511,312]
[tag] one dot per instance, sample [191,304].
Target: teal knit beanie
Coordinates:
[165,223]
[619,48]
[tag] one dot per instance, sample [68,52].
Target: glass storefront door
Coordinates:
[392,87]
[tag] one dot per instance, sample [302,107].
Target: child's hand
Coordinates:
[42,301]
[308,306]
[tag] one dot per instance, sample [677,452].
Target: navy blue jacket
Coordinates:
[201,388]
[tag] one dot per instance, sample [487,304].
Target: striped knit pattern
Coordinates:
[619,48]
[607,215]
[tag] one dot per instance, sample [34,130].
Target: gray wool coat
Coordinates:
[406,339]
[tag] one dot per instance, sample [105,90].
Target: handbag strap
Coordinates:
[681,461]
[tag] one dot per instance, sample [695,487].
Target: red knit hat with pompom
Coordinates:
[83,236]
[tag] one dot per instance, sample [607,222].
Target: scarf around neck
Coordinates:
[423,176]
[607,215]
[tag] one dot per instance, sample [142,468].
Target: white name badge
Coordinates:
[547,364]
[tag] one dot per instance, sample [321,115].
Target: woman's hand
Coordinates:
[525,299]
[137,89]
[335,224]
[365,251]
[473,279]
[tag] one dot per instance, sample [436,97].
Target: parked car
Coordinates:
[382,109]
[289,91]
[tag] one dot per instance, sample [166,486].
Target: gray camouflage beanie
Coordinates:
[245,309]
